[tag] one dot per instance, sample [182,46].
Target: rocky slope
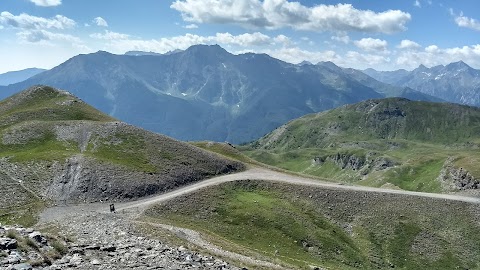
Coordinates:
[56,148]
[204,92]
[80,244]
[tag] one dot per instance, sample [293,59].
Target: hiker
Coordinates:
[112,208]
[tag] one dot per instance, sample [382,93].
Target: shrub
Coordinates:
[12,234]
[59,247]
[31,243]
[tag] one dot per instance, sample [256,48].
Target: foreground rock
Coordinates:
[96,241]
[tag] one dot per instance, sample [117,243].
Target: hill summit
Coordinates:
[391,118]
[55,147]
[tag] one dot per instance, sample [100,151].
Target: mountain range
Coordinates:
[19,76]
[206,93]
[456,82]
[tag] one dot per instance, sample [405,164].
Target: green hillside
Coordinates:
[305,227]
[55,148]
[413,145]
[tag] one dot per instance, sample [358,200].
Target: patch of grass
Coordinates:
[59,247]
[128,150]
[25,215]
[226,150]
[46,147]
[12,234]
[417,177]
[31,243]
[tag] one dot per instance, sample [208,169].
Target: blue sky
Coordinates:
[382,34]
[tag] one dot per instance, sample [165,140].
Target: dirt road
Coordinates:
[251,174]
[269,175]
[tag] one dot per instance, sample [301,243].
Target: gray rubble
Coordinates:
[100,241]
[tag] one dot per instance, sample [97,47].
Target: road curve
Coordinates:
[251,174]
[269,175]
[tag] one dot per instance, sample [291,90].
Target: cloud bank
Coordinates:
[275,14]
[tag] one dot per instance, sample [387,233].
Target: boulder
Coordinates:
[23,266]
[7,243]
[37,237]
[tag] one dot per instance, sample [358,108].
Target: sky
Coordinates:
[379,34]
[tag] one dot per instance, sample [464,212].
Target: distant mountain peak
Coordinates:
[202,47]
[422,67]
[305,62]
[330,65]
[458,65]
[102,52]
[141,53]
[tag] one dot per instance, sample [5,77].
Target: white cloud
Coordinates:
[341,38]
[120,43]
[408,45]
[417,4]
[434,55]
[467,22]
[99,21]
[191,26]
[282,39]
[370,44]
[359,60]
[47,3]
[274,14]
[296,55]
[432,49]
[108,35]
[350,59]
[28,22]
[34,36]
[255,39]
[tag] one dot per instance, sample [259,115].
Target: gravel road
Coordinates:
[260,174]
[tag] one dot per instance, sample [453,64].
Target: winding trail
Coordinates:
[260,174]
[269,175]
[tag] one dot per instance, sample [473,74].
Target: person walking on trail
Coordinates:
[112,208]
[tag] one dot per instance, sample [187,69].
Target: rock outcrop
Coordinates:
[364,163]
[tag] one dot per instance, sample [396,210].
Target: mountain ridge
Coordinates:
[204,92]
[13,77]
[456,82]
